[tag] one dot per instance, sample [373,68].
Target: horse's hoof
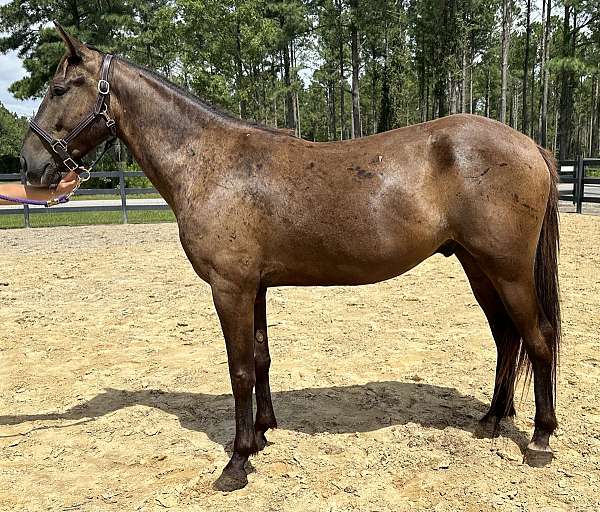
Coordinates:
[538,456]
[487,427]
[261,440]
[231,480]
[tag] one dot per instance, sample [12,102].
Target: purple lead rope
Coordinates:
[53,202]
[33,202]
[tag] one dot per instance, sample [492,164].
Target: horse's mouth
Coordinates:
[51,176]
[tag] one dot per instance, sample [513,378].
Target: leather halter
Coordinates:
[60,146]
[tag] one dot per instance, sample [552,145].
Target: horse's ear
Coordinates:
[74,45]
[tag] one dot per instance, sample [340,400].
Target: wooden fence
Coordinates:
[577,176]
[122,192]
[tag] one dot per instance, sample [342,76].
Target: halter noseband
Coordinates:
[60,146]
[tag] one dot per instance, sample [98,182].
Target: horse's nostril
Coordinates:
[23,163]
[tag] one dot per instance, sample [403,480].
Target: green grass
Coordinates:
[41,220]
[593,171]
[79,197]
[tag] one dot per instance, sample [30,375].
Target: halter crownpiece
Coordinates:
[60,146]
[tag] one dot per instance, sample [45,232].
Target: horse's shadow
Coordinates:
[338,409]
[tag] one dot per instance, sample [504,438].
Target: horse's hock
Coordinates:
[114,392]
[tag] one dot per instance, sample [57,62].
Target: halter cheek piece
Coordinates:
[60,146]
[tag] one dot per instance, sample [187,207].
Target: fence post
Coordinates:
[25,207]
[123,195]
[580,183]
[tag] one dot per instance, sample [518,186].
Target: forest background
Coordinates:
[339,69]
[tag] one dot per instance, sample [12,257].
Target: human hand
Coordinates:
[65,187]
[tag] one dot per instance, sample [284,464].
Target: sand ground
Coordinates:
[115,396]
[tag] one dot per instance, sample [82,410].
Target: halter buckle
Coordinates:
[60,143]
[70,164]
[103,87]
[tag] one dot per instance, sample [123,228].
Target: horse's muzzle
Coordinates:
[47,177]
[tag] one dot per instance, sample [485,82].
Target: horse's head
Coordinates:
[72,95]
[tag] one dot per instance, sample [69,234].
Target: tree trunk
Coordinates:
[428,103]
[332,110]
[385,112]
[525,126]
[76,14]
[463,92]
[565,128]
[543,140]
[532,123]
[290,118]
[423,90]
[487,92]
[356,122]
[555,143]
[595,145]
[374,92]
[295,93]
[511,109]
[239,70]
[340,35]
[342,93]
[506,28]
[472,58]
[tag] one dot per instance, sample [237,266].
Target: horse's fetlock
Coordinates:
[545,424]
[265,421]
[246,445]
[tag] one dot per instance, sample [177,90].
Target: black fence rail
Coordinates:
[123,191]
[578,176]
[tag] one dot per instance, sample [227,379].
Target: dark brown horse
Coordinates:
[257,208]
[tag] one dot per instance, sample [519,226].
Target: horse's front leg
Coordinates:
[265,416]
[234,303]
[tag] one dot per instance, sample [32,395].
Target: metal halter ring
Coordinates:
[107,119]
[84,176]
[103,87]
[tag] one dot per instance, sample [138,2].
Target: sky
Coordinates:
[11,70]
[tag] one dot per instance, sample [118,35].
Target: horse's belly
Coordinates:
[357,262]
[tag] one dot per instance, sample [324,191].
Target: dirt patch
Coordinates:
[114,392]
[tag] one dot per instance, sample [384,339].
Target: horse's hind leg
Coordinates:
[520,297]
[505,335]
[265,416]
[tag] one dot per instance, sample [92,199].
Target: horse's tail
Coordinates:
[515,362]
[546,270]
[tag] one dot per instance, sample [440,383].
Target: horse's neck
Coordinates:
[164,129]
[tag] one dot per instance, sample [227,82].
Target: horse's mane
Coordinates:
[217,111]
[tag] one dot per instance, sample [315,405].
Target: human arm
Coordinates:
[19,191]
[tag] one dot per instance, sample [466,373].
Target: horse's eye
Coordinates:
[59,90]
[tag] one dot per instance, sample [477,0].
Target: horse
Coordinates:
[257,208]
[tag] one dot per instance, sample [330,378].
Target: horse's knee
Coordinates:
[243,380]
